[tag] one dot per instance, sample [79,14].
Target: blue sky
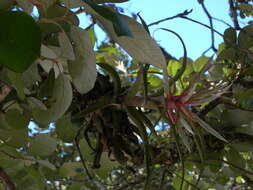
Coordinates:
[196,37]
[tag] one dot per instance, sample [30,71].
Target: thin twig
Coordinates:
[233,14]
[185,13]
[222,21]
[211,25]
[81,155]
[202,24]
[182,69]
[162,178]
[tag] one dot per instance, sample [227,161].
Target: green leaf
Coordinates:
[237,117]
[227,54]
[200,63]
[65,129]
[6,5]
[17,82]
[70,169]
[106,167]
[118,22]
[62,96]
[140,47]
[13,137]
[173,67]
[31,75]
[42,145]
[245,38]
[20,40]
[66,46]
[47,164]
[16,119]
[27,6]
[87,152]
[236,159]
[242,146]
[92,35]
[83,69]
[230,37]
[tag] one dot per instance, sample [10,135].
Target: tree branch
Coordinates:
[7,180]
[211,25]
[234,15]
[185,13]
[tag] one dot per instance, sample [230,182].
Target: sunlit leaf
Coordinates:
[83,69]
[66,47]
[141,46]
[62,94]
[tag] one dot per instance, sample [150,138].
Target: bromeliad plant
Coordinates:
[180,107]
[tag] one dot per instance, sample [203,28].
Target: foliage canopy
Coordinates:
[124,114]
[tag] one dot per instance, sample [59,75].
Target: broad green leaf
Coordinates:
[230,37]
[140,47]
[235,159]
[173,67]
[106,166]
[31,75]
[83,69]
[47,52]
[16,119]
[92,35]
[47,164]
[227,54]
[62,94]
[245,38]
[17,82]
[35,103]
[14,138]
[71,169]
[237,117]
[242,146]
[87,152]
[42,145]
[65,129]
[6,5]
[119,24]
[20,40]
[66,47]
[3,122]
[154,82]
[200,63]
[228,172]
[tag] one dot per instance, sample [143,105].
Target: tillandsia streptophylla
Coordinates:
[179,107]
